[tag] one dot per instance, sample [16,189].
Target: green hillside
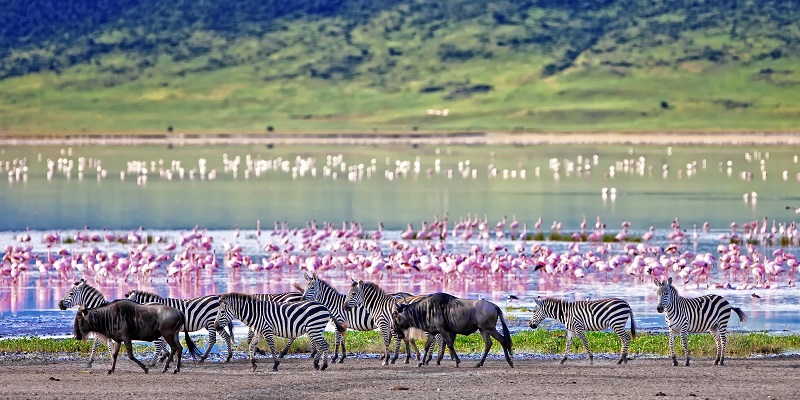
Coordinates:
[113,66]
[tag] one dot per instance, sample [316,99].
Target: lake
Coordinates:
[226,189]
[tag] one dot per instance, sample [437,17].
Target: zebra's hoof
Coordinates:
[176,371]
[563,360]
[407,361]
[478,365]
[324,367]
[109,372]
[341,361]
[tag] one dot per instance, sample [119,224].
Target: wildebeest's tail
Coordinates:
[506,333]
[193,350]
[740,313]
[633,327]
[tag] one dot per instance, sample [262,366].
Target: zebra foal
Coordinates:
[709,313]
[581,316]
[269,319]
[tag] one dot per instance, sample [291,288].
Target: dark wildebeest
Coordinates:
[125,320]
[450,316]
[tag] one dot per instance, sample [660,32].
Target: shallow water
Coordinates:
[395,185]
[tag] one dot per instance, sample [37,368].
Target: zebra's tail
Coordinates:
[633,327]
[506,333]
[193,350]
[341,326]
[740,313]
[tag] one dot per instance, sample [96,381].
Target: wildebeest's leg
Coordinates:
[114,353]
[449,339]
[506,350]
[175,349]
[570,335]
[129,349]
[411,343]
[487,345]
[426,349]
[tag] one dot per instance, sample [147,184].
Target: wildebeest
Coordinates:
[450,316]
[125,320]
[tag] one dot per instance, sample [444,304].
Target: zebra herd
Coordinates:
[367,307]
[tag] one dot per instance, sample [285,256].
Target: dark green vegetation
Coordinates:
[377,66]
[530,342]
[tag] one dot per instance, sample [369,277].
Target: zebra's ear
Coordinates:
[305,274]
[656,281]
[538,300]
[669,281]
[314,275]
[354,281]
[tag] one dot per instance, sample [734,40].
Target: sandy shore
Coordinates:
[770,378]
[483,138]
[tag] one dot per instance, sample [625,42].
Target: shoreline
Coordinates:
[462,138]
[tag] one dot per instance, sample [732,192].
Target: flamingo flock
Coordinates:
[470,249]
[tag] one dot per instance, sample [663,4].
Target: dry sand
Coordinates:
[643,378]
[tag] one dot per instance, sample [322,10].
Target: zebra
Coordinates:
[200,313]
[83,294]
[269,319]
[356,318]
[581,316]
[695,315]
[286,297]
[380,306]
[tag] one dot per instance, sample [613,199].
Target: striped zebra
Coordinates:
[286,297]
[83,294]
[270,319]
[380,306]
[581,316]
[200,313]
[709,313]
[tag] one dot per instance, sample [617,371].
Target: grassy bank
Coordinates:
[529,342]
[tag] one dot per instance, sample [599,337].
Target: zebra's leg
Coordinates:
[625,339]
[212,339]
[722,344]
[715,334]
[228,342]
[337,338]
[286,349]
[568,345]
[387,339]
[487,345]
[251,348]
[270,337]
[672,347]
[440,343]
[397,343]
[318,340]
[344,349]
[95,345]
[250,335]
[685,340]
[582,337]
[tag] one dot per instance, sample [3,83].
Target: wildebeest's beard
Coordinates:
[400,324]
[78,329]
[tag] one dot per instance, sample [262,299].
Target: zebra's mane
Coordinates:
[554,300]
[237,296]
[324,284]
[89,289]
[372,286]
[147,294]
